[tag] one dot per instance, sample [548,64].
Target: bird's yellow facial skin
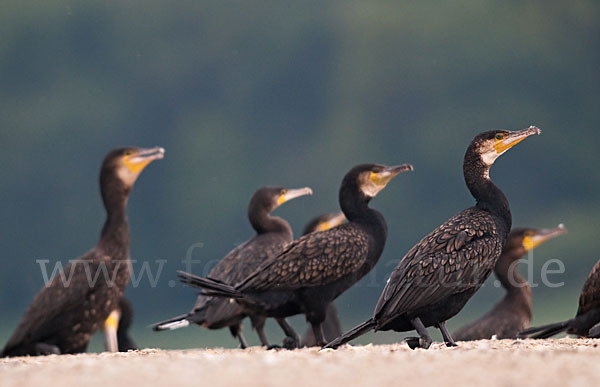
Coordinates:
[134,164]
[112,321]
[331,223]
[502,146]
[288,194]
[529,243]
[379,179]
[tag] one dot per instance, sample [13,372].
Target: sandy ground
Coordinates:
[562,362]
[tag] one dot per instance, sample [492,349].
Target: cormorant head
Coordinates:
[267,199]
[324,222]
[126,164]
[370,179]
[521,240]
[490,145]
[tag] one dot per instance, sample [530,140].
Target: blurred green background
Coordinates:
[248,93]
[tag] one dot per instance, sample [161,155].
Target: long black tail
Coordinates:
[172,323]
[546,331]
[212,287]
[352,334]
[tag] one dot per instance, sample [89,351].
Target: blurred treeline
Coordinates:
[248,93]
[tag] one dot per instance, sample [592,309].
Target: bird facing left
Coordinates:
[65,314]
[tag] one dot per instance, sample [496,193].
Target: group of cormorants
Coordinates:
[271,275]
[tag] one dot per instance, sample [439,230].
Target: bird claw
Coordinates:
[290,343]
[274,347]
[417,342]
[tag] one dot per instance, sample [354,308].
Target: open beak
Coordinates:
[141,158]
[335,221]
[293,194]
[513,138]
[388,173]
[543,235]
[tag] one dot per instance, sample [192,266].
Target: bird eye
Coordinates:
[127,153]
[499,136]
[375,170]
[283,192]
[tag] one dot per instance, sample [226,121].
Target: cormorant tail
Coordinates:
[172,323]
[352,334]
[546,331]
[213,287]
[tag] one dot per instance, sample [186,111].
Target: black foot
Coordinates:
[452,344]
[417,342]
[290,343]
[274,347]
[44,349]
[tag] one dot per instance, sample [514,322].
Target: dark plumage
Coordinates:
[315,269]
[587,317]
[513,313]
[64,315]
[439,274]
[331,326]
[272,234]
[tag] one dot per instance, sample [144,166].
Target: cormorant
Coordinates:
[272,234]
[331,326]
[439,274]
[116,328]
[67,311]
[587,317]
[513,313]
[316,268]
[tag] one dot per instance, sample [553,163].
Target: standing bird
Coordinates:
[316,268]
[513,313]
[67,311]
[587,317]
[438,275]
[116,328]
[272,234]
[331,326]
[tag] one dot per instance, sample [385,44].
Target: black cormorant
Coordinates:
[316,268]
[331,326]
[67,311]
[513,313]
[272,234]
[439,274]
[116,328]
[588,313]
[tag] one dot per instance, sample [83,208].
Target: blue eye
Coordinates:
[499,136]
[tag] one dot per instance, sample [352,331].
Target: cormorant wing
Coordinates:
[315,259]
[450,260]
[52,305]
[590,294]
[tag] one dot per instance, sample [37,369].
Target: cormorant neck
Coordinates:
[507,273]
[263,223]
[355,206]
[114,239]
[488,196]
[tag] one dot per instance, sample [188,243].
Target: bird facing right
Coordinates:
[435,279]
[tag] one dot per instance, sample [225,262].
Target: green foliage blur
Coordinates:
[248,93]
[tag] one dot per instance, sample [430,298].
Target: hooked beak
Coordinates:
[542,236]
[388,173]
[293,194]
[140,159]
[514,138]
[335,221]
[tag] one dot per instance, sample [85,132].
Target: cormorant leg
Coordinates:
[447,338]
[236,331]
[258,323]
[319,335]
[424,341]
[292,339]
[46,349]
